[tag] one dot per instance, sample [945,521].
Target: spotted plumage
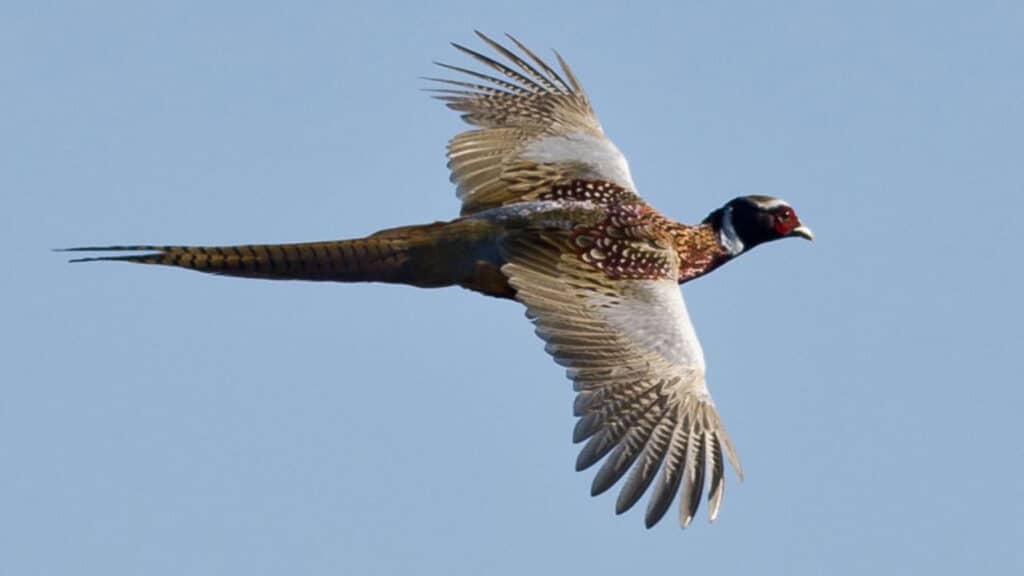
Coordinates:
[629,244]
[631,241]
[698,248]
[550,217]
[599,192]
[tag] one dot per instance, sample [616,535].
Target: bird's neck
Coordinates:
[702,248]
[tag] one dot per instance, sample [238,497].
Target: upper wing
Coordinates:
[536,129]
[638,370]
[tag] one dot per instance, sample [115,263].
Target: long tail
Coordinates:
[431,255]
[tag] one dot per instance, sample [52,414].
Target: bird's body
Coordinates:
[550,217]
[622,237]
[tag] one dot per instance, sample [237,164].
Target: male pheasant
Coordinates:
[551,218]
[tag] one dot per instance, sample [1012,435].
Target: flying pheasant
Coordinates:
[550,217]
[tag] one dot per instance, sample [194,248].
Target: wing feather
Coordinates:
[717,488]
[638,371]
[526,84]
[610,427]
[537,129]
[667,485]
[543,83]
[647,468]
[693,484]
[544,66]
[626,453]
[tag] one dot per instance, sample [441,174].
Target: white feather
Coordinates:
[596,152]
[727,235]
[654,316]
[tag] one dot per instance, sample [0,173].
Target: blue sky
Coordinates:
[156,421]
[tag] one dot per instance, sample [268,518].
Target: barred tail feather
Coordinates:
[460,252]
[362,260]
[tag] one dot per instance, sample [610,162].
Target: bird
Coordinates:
[550,217]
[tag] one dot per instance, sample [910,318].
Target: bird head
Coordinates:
[747,221]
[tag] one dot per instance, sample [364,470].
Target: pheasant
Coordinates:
[550,217]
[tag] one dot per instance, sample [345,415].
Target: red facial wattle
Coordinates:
[786,221]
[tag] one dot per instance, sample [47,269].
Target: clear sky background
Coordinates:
[156,421]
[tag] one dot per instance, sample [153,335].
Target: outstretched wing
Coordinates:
[536,129]
[638,370]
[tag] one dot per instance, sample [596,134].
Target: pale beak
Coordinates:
[803,232]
